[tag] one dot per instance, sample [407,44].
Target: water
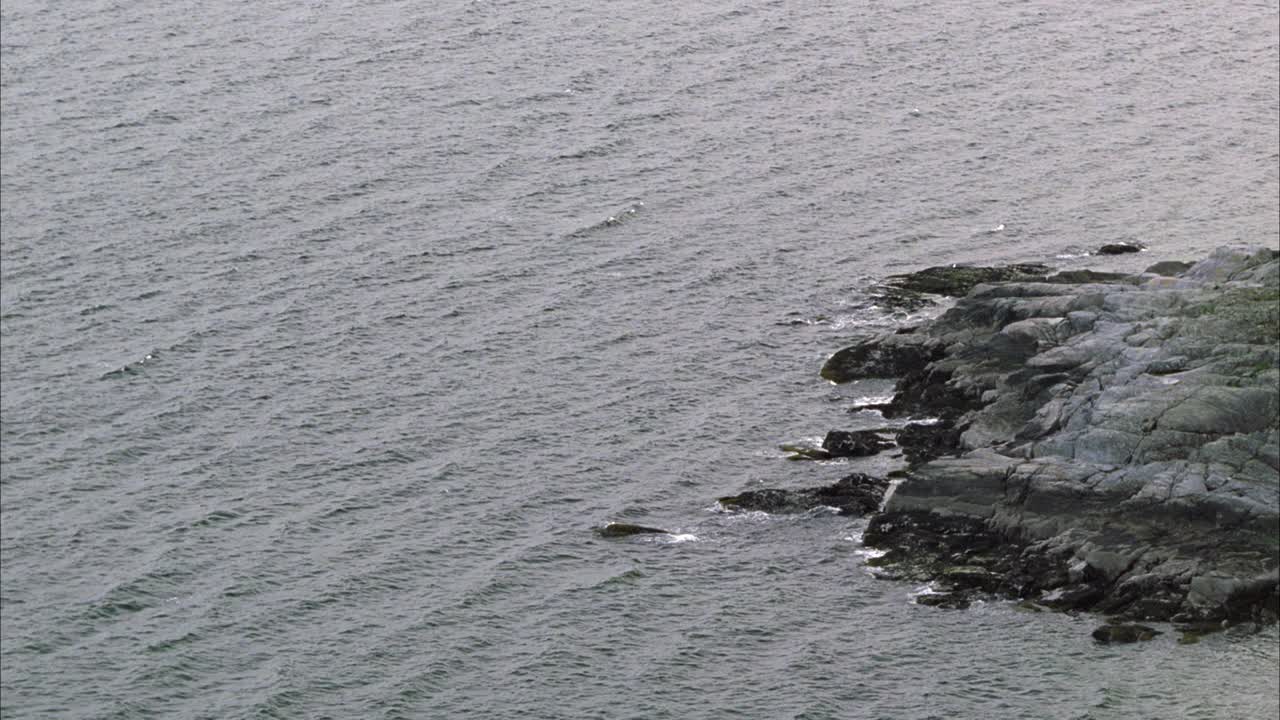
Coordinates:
[322,356]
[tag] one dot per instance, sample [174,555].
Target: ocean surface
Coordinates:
[331,329]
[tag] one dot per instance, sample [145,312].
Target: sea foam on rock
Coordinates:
[1109,443]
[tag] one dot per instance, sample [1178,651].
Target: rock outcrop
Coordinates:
[1099,442]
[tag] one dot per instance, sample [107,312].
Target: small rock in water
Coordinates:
[1124,633]
[855,494]
[946,601]
[1119,248]
[615,529]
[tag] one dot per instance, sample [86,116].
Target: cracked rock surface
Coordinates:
[1116,442]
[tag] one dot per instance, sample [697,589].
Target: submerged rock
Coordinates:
[945,600]
[804,452]
[855,494]
[1105,445]
[1108,634]
[617,530]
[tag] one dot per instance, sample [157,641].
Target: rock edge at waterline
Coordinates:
[1114,444]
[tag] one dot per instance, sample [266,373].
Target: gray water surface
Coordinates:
[330,330]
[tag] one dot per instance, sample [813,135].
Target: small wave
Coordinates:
[926,589]
[624,578]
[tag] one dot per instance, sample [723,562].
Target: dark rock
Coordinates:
[616,530]
[855,494]
[946,601]
[1082,596]
[971,577]
[1108,634]
[890,357]
[1119,249]
[855,443]
[955,280]
[1192,632]
[922,442]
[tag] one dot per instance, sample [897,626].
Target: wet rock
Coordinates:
[888,357]
[1110,634]
[922,442]
[1191,633]
[855,443]
[804,452]
[877,407]
[944,600]
[971,577]
[855,494]
[1119,248]
[618,530]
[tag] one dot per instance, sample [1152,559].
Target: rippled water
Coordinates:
[331,329]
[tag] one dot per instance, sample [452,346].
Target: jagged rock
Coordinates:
[1118,444]
[855,494]
[616,530]
[1108,634]
[856,443]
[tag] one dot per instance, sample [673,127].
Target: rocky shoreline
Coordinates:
[1079,441]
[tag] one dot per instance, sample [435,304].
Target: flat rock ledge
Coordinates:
[1111,444]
